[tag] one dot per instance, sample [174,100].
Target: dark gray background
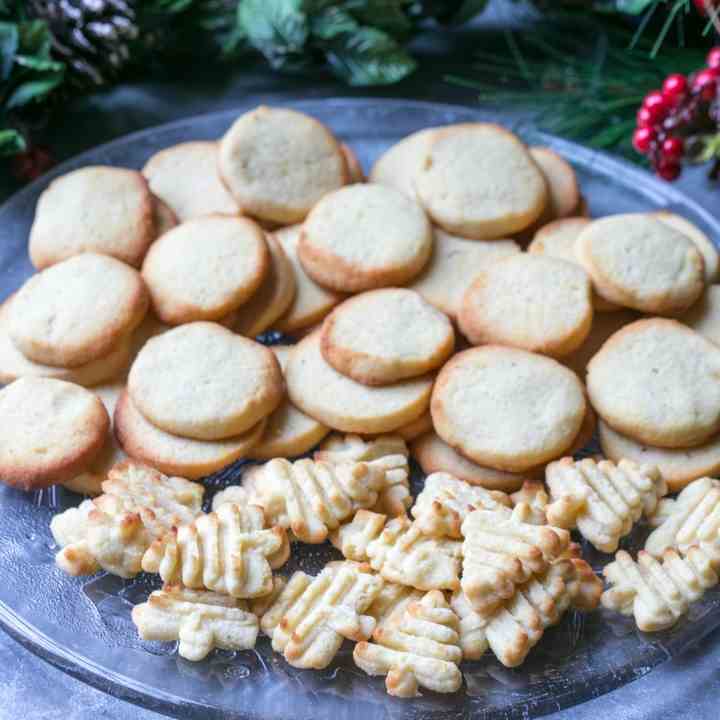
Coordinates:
[687,687]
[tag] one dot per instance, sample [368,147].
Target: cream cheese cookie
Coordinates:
[186,177]
[312,302]
[77,311]
[507,408]
[454,264]
[528,301]
[363,237]
[642,263]
[657,381]
[205,268]
[96,209]
[174,455]
[401,163]
[478,180]
[202,381]
[51,431]
[383,336]
[704,315]
[343,404]
[563,190]
[289,432]
[704,244]
[275,294]
[278,163]
[354,168]
[165,218]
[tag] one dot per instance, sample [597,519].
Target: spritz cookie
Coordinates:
[278,163]
[507,408]
[363,237]
[202,381]
[272,298]
[383,336]
[185,176]
[642,263]
[704,315]
[174,455]
[344,404]
[478,180]
[400,164]
[14,365]
[97,209]
[529,301]
[52,430]
[77,311]
[658,382]
[563,190]
[312,302]
[679,466]
[704,244]
[205,268]
[454,264]
[289,432]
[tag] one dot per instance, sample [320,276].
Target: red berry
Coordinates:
[668,169]
[643,138]
[673,148]
[713,57]
[701,7]
[644,118]
[705,83]
[674,88]
[656,105]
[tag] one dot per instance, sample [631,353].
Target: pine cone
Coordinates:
[92,36]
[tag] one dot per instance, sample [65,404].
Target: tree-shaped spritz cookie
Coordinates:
[515,627]
[201,621]
[501,552]
[420,648]
[395,498]
[310,617]
[659,592]
[229,551]
[693,518]
[400,552]
[602,499]
[113,531]
[445,502]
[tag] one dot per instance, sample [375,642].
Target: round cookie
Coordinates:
[205,268]
[704,316]
[533,302]
[173,455]
[272,298]
[95,209]
[434,455]
[202,381]
[478,180]
[658,382]
[77,311]
[289,432]
[563,191]
[355,171]
[704,244]
[507,408]
[383,336]
[14,365]
[90,481]
[186,177]
[416,428]
[363,237]
[679,466]
[52,430]
[312,302]
[642,263]
[165,218]
[557,239]
[278,163]
[454,264]
[401,163]
[343,404]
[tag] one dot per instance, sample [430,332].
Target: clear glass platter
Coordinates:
[83,624]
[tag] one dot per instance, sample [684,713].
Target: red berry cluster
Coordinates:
[666,115]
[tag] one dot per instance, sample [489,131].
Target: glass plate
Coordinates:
[83,624]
